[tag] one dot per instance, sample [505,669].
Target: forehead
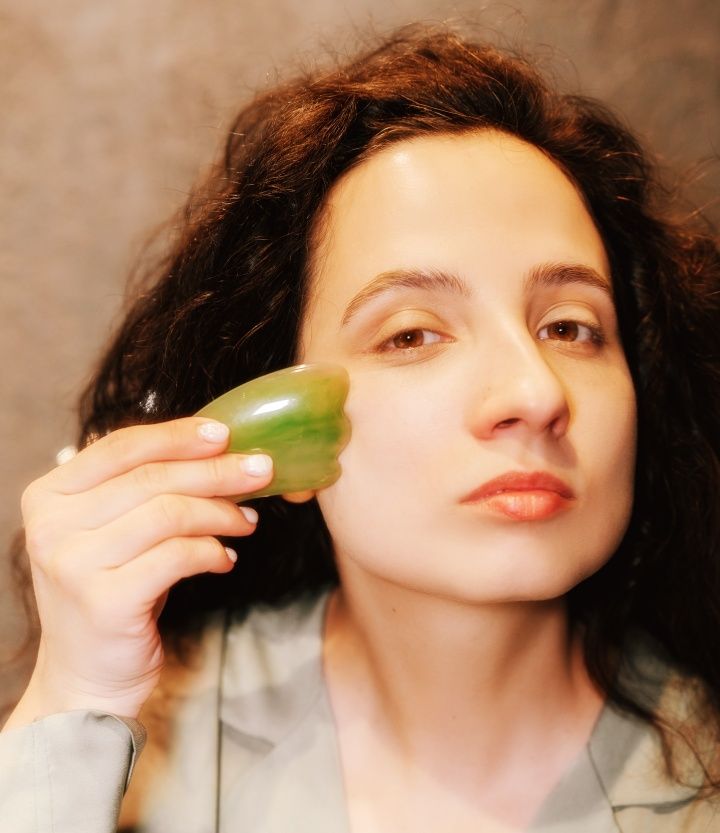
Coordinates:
[478,204]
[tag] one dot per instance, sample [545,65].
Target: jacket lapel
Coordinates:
[183,781]
[280,765]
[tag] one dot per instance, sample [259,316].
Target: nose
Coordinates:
[519,392]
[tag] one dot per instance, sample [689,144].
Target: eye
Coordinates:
[412,339]
[573,331]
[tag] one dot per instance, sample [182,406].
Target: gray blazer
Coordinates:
[251,748]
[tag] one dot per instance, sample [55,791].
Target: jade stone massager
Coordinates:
[296,416]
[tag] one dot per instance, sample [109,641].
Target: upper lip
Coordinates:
[520,481]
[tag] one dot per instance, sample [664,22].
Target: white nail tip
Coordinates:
[65,454]
[213,432]
[250,514]
[258,465]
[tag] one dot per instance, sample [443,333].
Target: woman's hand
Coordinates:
[108,533]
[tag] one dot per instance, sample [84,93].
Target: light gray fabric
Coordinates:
[67,772]
[253,749]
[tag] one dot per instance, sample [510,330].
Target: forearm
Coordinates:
[67,773]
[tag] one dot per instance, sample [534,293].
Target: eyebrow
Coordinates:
[545,275]
[430,281]
[560,274]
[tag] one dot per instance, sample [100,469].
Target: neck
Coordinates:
[445,676]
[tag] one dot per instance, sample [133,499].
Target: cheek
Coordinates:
[606,444]
[611,427]
[394,426]
[391,466]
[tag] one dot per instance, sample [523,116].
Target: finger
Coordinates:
[127,448]
[299,497]
[152,574]
[219,476]
[157,520]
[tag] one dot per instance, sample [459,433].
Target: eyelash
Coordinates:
[384,348]
[597,336]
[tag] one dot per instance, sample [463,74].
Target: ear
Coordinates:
[299,497]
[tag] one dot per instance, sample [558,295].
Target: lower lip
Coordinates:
[526,505]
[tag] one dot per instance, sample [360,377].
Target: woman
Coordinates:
[501,617]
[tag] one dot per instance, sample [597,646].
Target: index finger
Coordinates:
[189,438]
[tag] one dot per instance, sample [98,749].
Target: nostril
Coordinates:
[506,423]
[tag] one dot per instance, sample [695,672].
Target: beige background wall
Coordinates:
[109,110]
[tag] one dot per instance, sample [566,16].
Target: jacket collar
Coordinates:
[280,761]
[272,675]
[627,752]
[273,691]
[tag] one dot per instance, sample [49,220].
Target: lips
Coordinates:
[523,496]
[520,482]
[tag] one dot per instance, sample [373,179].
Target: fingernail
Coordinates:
[250,514]
[257,465]
[231,554]
[213,432]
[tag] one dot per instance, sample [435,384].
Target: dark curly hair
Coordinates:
[225,305]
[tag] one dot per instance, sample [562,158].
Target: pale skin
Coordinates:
[455,682]
[108,533]
[454,679]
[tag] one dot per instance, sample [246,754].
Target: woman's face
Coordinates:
[463,284]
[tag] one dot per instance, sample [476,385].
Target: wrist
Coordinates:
[41,700]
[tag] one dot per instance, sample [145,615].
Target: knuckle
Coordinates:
[228,513]
[62,572]
[27,499]
[30,497]
[118,442]
[177,432]
[151,477]
[185,548]
[211,547]
[237,524]
[40,538]
[198,552]
[217,470]
[203,551]
[172,511]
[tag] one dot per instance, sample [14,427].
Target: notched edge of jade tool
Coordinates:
[280,484]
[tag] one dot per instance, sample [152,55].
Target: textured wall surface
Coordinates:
[110,110]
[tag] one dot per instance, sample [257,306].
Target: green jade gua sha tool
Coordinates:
[296,416]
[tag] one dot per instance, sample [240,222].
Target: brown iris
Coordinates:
[408,338]
[564,330]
